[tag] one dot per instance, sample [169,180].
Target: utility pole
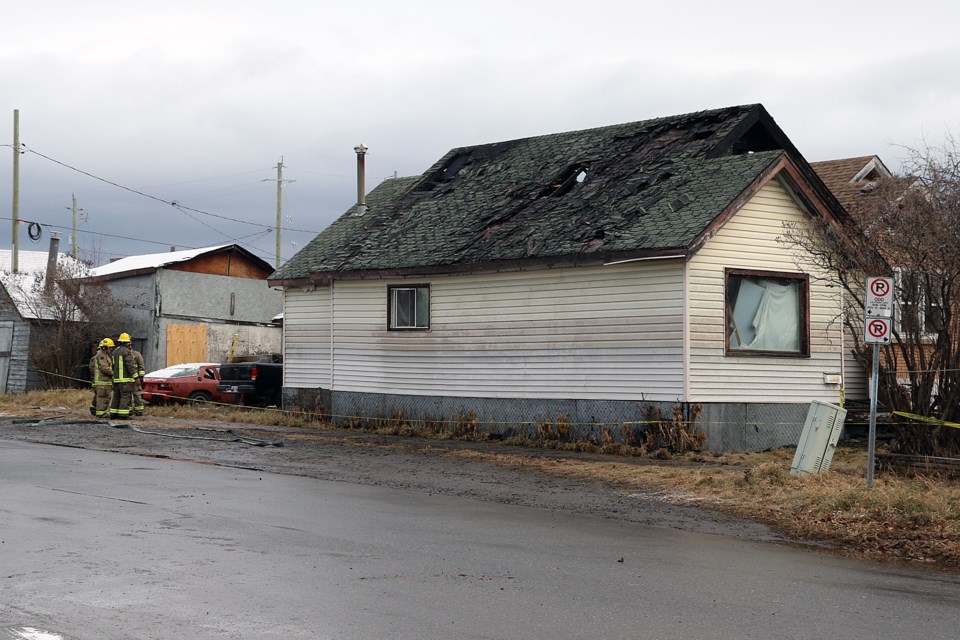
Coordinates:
[279,204]
[14,259]
[73,240]
[280,182]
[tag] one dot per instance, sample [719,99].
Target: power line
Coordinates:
[251,236]
[173,203]
[229,175]
[96,233]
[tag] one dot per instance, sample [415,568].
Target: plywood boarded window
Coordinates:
[186,343]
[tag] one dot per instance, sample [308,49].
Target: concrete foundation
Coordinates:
[728,426]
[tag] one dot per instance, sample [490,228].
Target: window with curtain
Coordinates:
[766,313]
[409,307]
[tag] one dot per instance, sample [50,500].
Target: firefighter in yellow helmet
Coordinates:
[137,407]
[124,377]
[101,378]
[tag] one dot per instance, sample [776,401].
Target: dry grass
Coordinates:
[80,400]
[907,518]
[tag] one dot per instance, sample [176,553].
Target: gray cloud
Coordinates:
[197,102]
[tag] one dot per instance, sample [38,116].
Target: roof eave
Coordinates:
[781,166]
[120,274]
[571,260]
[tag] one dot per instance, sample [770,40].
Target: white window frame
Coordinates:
[924,307]
[420,315]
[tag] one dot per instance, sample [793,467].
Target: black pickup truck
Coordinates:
[255,383]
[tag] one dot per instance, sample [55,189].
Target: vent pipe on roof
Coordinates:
[361,176]
[51,264]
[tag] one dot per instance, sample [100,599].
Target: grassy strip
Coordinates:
[912,518]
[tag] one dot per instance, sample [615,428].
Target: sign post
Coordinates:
[877,328]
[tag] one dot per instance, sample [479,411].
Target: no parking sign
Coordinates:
[879,298]
[877,331]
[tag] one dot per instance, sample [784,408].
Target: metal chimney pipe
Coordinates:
[51,263]
[361,177]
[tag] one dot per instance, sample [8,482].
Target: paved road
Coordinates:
[106,546]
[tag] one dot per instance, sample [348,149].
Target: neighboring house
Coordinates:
[198,305]
[582,277]
[852,180]
[23,310]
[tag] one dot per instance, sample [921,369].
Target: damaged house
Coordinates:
[584,278]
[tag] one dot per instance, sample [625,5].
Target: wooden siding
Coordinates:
[21,375]
[306,338]
[750,241]
[227,263]
[612,332]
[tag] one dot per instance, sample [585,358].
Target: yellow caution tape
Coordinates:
[913,416]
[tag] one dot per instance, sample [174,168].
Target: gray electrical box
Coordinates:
[819,438]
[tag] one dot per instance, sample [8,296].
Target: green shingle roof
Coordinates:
[620,190]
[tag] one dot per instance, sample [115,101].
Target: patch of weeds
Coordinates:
[678,433]
[661,454]
[766,473]
[557,430]
[466,426]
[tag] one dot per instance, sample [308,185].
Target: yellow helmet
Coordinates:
[124,337]
[106,342]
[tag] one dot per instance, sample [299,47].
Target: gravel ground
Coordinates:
[410,464]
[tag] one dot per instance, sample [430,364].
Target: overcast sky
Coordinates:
[196,101]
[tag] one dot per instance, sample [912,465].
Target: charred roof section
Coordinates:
[610,192]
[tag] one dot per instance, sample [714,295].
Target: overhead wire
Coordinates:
[251,236]
[182,208]
[172,203]
[95,233]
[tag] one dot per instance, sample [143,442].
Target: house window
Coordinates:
[919,303]
[766,313]
[409,307]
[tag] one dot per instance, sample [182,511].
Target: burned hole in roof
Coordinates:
[572,176]
[447,172]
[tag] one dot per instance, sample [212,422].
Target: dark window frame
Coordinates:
[391,301]
[804,312]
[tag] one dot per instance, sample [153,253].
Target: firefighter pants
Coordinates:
[101,399]
[122,400]
[137,402]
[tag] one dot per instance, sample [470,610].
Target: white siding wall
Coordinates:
[749,241]
[855,374]
[306,338]
[610,332]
